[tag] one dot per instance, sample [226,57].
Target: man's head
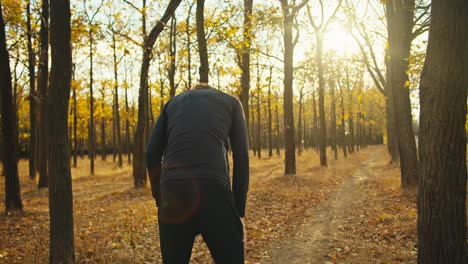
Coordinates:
[201,86]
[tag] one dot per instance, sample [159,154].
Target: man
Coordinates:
[189,173]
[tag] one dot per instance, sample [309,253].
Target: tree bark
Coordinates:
[333,119]
[103,130]
[400,24]
[322,135]
[289,141]
[442,137]
[299,122]
[116,105]
[278,135]
[42,80]
[172,56]
[9,128]
[270,136]
[201,39]
[189,49]
[245,63]
[259,119]
[127,129]
[315,122]
[60,189]
[139,160]
[75,124]
[92,149]
[32,95]
[343,124]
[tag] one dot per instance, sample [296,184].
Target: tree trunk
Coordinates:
[116,105]
[253,132]
[9,129]
[259,119]
[400,24]
[92,149]
[352,138]
[189,49]
[442,137]
[270,137]
[321,98]
[299,123]
[60,189]
[127,128]
[343,124]
[245,63]
[42,80]
[75,124]
[139,160]
[201,39]
[103,131]
[32,95]
[172,56]
[315,122]
[278,135]
[289,141]
[333,119]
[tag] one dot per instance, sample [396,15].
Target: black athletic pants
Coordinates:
[192,207]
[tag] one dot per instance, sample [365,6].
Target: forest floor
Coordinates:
[350,212]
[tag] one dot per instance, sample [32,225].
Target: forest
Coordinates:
[356,112]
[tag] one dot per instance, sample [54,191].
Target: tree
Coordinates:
[245,59]
[289,13]
[91,28]
[60,187]
[116,97]
[320,29]
[333,118]
[8,127]
[171,70]
[139,162]
[400,24]
[42,81]
[270,131]
[201,39]
[442,137]
[32,95]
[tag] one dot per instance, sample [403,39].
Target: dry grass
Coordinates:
[115,223]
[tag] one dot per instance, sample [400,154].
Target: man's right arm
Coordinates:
[240,153]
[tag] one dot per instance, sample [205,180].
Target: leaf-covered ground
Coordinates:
[366,220]
[115,223]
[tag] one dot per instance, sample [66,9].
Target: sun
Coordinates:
[338,39]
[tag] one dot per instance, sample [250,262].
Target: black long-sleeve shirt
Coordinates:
[189,141]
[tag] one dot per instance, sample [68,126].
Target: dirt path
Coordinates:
[316,240]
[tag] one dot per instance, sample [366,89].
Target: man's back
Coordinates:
[198,127]
[190,138]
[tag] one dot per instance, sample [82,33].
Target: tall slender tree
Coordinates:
[42,81]
[116,98]
[270,131]
[201,40]
[320,29]
[245,58]
[442,143]
[289,13]
[400,25]
[32,95]
[60,188]
[8,127]
[91,28]
[139,161]
[171,71]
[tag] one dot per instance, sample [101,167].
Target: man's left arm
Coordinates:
[155,150]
